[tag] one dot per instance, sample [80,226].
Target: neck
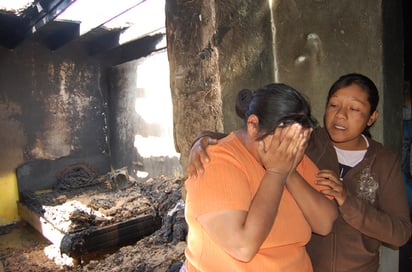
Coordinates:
[249,142]
[359,143]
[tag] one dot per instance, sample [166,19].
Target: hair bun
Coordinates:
[242,102]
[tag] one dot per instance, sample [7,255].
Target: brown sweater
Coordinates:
[369,217]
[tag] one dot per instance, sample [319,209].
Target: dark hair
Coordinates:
[365,83]
[275,104]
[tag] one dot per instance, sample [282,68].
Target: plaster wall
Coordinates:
[309,44]
[318,41]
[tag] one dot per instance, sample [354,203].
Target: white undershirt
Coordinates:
[351,157]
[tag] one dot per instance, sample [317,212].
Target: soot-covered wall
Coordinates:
[53,104]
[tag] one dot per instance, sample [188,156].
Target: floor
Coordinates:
[15,238]
[24,236]
[19,235]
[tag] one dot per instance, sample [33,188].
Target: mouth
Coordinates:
[339,127]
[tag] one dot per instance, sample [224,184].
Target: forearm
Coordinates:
[319,211]
[390,228]
[263,208]
[387,219]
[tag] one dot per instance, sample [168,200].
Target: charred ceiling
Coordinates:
[40,20]
[18,26]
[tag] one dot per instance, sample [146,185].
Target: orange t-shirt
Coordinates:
[228,185]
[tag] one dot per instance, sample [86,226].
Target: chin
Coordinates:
[336,138]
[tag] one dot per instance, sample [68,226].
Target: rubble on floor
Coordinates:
[163,250]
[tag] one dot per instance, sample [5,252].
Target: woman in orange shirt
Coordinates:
[362,175]
[252,209]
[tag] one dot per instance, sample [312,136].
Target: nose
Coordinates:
[341,112]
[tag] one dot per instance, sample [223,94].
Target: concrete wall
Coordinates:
[309,44]
[317,41]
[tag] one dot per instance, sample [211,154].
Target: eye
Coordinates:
[354,109]
[331,105]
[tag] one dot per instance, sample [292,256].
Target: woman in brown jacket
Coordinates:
[362,175]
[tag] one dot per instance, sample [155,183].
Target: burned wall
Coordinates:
[53,105]
[124,120]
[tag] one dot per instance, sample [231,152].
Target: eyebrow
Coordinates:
[352,99]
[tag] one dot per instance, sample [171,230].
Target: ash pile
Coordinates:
[161,251]
[145,219]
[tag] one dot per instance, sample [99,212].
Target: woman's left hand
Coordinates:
[330,179]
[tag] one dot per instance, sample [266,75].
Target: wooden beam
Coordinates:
[35,17]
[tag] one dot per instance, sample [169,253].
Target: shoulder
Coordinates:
[318,137]
[320,133]
[227,145]
[381,150]
[383,160]
[228,151]
[318,144]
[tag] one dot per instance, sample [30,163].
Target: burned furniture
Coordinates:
[84,211]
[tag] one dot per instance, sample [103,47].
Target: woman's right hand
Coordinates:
[198,154]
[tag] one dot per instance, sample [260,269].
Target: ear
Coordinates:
[253,125]
[374,116]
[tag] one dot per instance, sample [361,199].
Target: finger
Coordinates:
[212,141]
[326,171]
[294,139]
[201,154]
[325,182]
[328,175]
[330,180]
[198,166]
[295,145]
[306,134]
[334,188]
[261,147]
[201,149]
[273,146]
[303,140]
[335,192]
[277,135]
[330,193]
[191,171]
[288,135]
